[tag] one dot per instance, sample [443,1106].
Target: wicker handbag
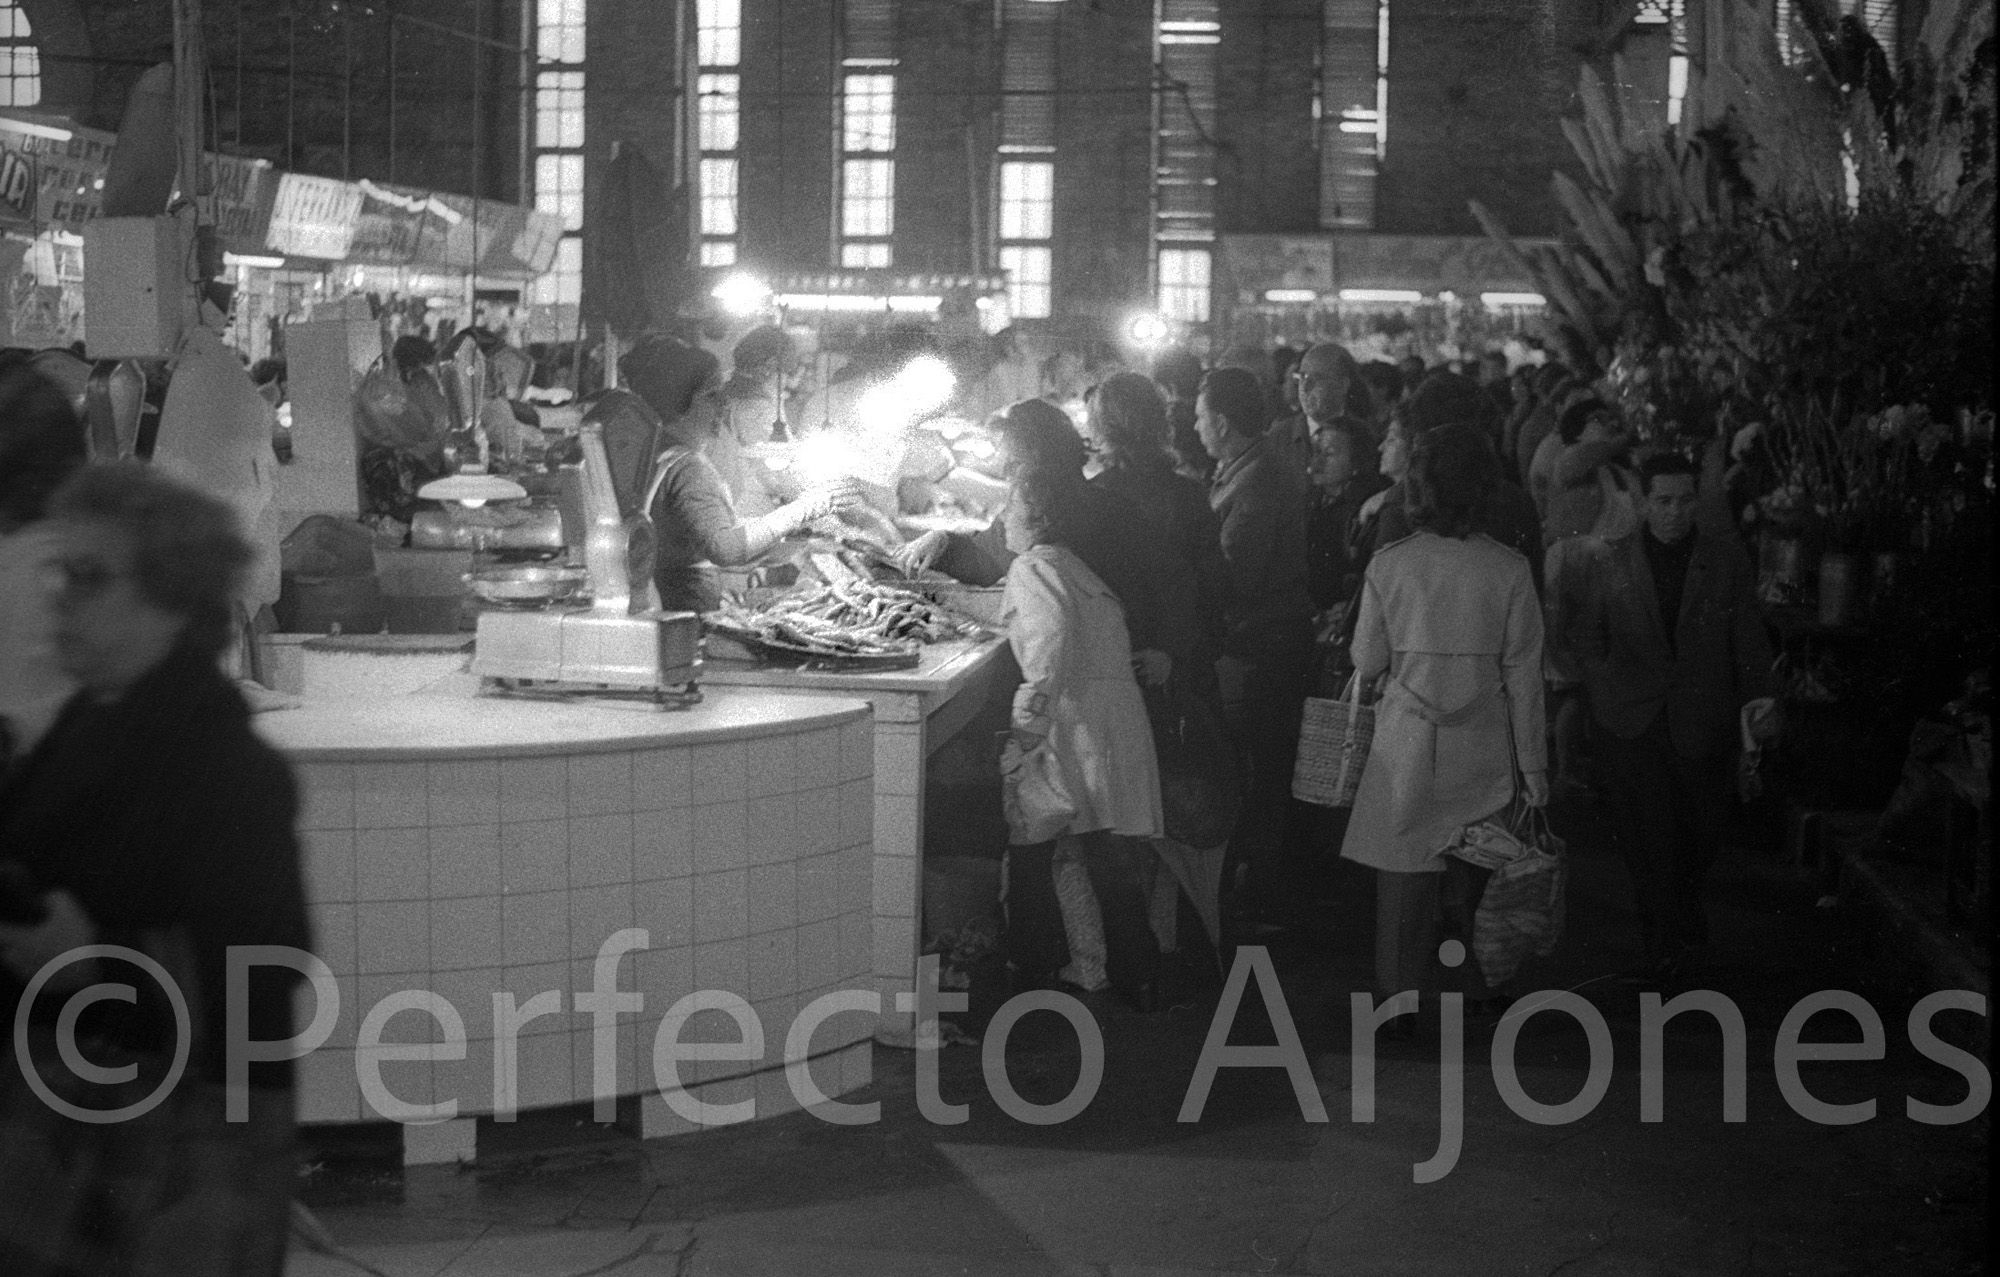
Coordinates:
[1334,737]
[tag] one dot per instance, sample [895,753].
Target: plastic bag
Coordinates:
[1037,804]
[1521,912]
[1198,774]
[389,414]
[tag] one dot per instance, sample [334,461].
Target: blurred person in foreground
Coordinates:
[41,444]
[1449,626]
[151,816]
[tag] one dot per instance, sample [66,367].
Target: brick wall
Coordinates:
[786,185]
[287,98]
[1475,99]
[944,135]
[1103,190]
[1268,170]
[1476,92]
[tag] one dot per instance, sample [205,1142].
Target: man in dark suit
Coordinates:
[1667,628]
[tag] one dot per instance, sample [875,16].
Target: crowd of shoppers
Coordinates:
[1390,525]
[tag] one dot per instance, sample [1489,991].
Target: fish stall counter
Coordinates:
[478,867]
[917,710]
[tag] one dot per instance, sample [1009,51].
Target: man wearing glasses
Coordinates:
[1327,378]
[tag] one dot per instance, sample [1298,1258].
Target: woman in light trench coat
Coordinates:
[1449,622]
[1078,693]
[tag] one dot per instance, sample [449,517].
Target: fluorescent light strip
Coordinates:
[1291,295]
[1513,299]
[1380,295]
[859,302]
[27,129]
[1175,38]
[252,259]
[1191,26]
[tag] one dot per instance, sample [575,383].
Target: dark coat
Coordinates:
[164,812]
[1260,498]
[1186,541]
[1720,657]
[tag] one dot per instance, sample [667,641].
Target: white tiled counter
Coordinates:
[470,847]
[916,712]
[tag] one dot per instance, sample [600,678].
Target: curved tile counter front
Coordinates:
[482,849]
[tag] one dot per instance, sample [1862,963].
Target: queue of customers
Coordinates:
[1490,561]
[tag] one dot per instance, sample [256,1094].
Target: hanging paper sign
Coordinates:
[390,225]
[52,178]
[313,217]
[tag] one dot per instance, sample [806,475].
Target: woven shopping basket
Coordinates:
[1334,737]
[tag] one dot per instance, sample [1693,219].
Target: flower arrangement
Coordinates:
[1890,480]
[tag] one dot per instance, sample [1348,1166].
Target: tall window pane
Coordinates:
[1030,272]
[1184,284]
[718,32]
[718,197]
[868,197]
[869,113]
[719,110]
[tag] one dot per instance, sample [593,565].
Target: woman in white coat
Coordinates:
[1448,621]
[1078,694]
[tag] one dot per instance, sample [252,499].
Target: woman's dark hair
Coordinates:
[1283,360]
[760,346]
[1550,378]
[1131,417]
[1050,505]
[412,352]
[1185,440]
[1452,471]
[189,554]
[1034,434]
[1178,373]
[667,373]
[1383,378]
[41,443]
[1574,418]
[1233,393]
[1448,399]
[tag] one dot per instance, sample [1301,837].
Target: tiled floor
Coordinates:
[1252,1187]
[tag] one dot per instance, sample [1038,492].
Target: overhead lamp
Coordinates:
[1497,300]
[1147,329]
[1291,295]
[741,293]
[471,490]
[1405,295]
[252,259]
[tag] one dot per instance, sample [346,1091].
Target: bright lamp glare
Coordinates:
[823,458]
[741,294]
[928,381]
[1147,329]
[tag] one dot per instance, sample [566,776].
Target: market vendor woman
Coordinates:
[695,524]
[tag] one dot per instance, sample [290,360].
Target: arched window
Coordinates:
[20,61]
